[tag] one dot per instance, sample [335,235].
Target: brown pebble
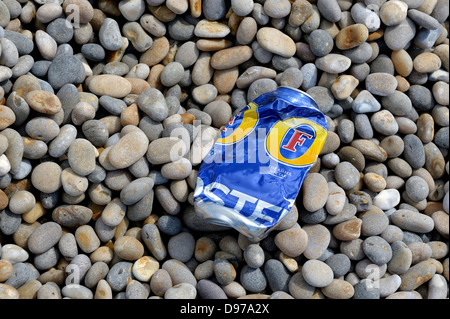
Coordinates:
[187,118]
[348,230]
[7,117]
[6,270]
[3,200]
[231,57]
[351,36]
[43,102]
[128,248]
[156,53]
[427,62]
[130,116]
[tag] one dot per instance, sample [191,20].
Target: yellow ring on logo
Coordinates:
[278,131]
[248,124]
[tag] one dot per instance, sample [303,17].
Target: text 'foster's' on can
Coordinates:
[251,177]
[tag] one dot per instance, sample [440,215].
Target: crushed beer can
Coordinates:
[252,176]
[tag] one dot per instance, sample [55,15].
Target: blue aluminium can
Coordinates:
[252,176]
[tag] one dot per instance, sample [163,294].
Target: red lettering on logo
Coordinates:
[298,138]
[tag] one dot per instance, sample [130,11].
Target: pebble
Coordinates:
[317,273]
[152,239]
[381,84]
[284,239]
[181,246]
[351,36]
[207,289]
[128,248]
[106,84]
[318,240]
[412,221]
[320,42]
[253,279]
[417,275]
[277,275]
[46,177]
[333,63]
[347,176]
[14,253]
[230,57]
[276,42]
[377,250]
[339,289]
[313,185]
[387,199]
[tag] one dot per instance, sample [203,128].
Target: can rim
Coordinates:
[300,91]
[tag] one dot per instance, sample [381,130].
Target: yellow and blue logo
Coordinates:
[295,141]
[244,123]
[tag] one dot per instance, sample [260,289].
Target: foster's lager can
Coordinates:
[253,174]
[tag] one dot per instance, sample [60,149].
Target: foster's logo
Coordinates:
[295,141]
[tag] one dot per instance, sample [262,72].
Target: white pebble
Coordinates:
[387,199]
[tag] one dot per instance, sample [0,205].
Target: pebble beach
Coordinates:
[107,109]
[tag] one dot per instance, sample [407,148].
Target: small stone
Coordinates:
[417,188]
[144,268]
[318,240]
[152,102]
[276,42]
[347,176]
[179,272]
[87,239]
[211,29]
[14,253]
[181,291]
[152,240]
[277,275]
[412,221]
[253,279]
[21,202]
[44,237]
[426,62]
[181,246]
[377,250]
[320,42]
[366,289]
[333,63]
[120,275]
[365,102]
[46,177]
[315,192]
[231,57]
[387,199]
[339,263]
[397,36]
[339,289]
[209,290]
[109,35]
[108,84]
[393,12]
[417,275]
[160,282]
[285,239]
[128,150]
[351,36]
[72,215]
[317,273]
[81,156]
[128,248]
[348,230]
[382,84]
